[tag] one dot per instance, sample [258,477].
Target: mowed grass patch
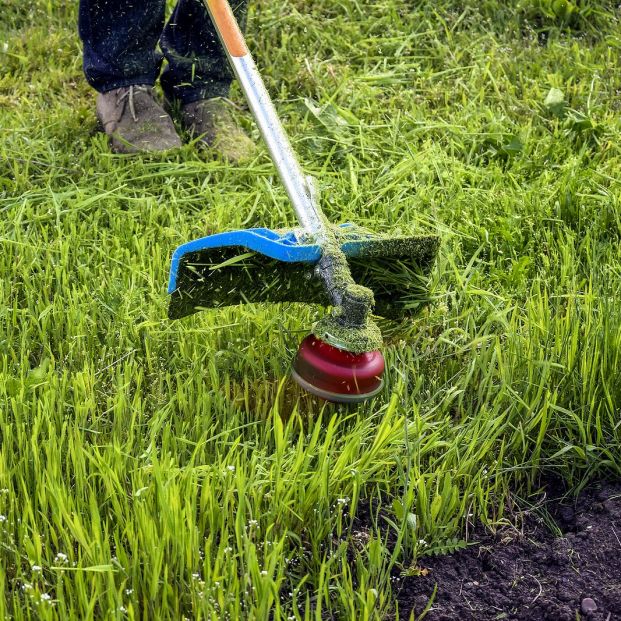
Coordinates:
[151,469]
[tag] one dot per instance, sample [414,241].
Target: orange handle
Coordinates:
[228,27]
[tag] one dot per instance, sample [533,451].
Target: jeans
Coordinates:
[121,39]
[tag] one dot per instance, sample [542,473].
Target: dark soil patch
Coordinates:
[531,573]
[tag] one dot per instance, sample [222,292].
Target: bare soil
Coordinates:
[531,573]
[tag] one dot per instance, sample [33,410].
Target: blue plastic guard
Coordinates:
[280,245]
[263,265]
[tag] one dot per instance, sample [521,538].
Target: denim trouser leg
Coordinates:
[197,64]
[120,40]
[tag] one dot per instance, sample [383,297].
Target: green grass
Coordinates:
[151,469]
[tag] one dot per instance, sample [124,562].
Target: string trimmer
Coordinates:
[347,268]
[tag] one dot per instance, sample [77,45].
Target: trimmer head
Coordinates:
[336,375]
[338,363]
[262,265]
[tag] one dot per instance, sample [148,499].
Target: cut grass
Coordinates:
[172,464]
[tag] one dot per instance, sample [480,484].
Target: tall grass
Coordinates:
[151,469]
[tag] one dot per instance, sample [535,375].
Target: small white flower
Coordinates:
[46,596]
[2,518]
[26,587]
[253,523]
[129,591]
[122,609]
[196,576]
[36,568]
[264,573]
[5,47]
[342,501]
[231,468]
[422,542]
[61,557]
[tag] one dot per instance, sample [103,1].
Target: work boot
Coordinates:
[211,120]
[135,120]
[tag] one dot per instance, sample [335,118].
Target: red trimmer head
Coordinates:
[337,375]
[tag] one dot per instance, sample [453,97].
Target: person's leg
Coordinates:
[197,65]
[120,40]
[121,62]
[198,76]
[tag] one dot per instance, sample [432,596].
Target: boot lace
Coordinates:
[129,96]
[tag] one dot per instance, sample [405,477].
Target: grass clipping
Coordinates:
[350,326]
[355,339]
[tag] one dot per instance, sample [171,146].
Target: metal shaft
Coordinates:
[355,303]
[299,187]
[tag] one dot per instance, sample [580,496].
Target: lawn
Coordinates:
[157,469]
